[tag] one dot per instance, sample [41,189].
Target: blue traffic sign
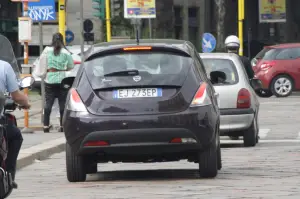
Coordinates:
[209,43]
[44,10]
[69,36]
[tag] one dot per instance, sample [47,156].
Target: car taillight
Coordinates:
[243,99]
[266,65]
[77,62]
[75,102]
[201,98]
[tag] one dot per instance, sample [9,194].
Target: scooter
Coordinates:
[7,106]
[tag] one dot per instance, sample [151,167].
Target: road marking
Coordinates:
[298,138]
[260,141]
[263,132]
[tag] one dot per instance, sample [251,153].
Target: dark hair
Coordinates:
[57,43]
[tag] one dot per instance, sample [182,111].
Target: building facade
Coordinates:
[9,22]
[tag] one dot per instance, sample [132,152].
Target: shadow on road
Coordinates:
[145,175]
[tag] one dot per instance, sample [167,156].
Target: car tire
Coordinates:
[264,93]
[208,162]
[282,78]
[251,135]
[92,169]
[219,156]
[76,171]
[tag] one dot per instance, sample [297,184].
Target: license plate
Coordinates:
[137,93]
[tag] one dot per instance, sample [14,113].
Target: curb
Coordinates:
[40,152]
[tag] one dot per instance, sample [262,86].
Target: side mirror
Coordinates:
[67,82]
[217,77]
[256,84]
[26,82]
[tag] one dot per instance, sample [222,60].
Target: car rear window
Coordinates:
[225,65]
[282,54]
[159,68]
[262,53]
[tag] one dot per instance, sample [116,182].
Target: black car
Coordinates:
[141,102]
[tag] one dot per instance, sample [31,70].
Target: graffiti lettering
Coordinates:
[43,14]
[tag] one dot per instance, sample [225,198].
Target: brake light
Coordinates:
[201,98]
[266,65]
[96,143]
[137,48]
[75,102]
[243,99]
[77,62]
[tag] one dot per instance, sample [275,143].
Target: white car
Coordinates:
[76,55]
[239,105]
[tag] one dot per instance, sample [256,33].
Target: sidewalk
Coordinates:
[39,145]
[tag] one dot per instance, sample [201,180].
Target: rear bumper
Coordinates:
[235,120]
[265,77]
[141,135]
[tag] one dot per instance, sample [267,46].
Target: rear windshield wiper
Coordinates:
[123,73]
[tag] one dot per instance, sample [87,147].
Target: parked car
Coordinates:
[150,102]
[239,105]
[278,67]
[76,55]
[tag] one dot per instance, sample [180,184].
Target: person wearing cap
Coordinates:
[232,45]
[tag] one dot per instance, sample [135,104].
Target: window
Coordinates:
[224,65]
[282,54]
[155,68]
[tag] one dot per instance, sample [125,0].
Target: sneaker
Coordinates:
[46,129]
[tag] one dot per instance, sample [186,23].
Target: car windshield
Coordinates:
[225,65]
[156,68]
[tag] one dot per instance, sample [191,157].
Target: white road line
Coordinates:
[260,141]
[263,132]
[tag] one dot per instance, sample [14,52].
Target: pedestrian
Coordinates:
[232,45]
[53,64]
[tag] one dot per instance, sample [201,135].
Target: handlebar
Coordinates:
[10,105]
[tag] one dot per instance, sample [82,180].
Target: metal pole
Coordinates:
[42,79]
[81,30]
[26,114]
[107,13]
[185,23]
[150,28]
[62,19]
[241,15]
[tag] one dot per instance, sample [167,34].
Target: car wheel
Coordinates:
[208,162]
[251,135]
[264,93]
[92,169]
[282,86]
[76,171]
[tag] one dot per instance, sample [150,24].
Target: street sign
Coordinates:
[69,36]
[44,10]
[139,9]
[209,43]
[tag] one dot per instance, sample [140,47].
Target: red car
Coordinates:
[278,67]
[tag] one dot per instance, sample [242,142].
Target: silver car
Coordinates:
[238,103]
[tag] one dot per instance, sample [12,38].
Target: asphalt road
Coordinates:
[269,170]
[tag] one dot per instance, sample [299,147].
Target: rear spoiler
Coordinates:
[144,48]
